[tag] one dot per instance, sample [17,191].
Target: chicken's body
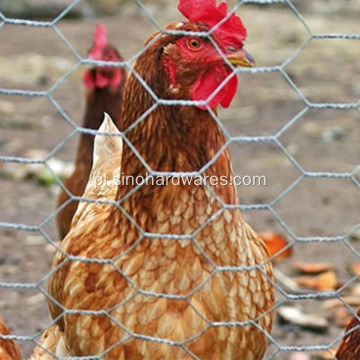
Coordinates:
[9,349]
[104,93]
[350,347]
[170,267]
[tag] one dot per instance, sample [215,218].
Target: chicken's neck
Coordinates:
[173,139]
[98,101]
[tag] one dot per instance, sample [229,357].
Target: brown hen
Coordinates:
[169,273]
[104,93]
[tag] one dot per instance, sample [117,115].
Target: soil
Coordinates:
[318,215]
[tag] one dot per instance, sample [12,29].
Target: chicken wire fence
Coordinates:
[274,139]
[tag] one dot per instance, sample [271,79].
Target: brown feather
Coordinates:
[350,347]
[50,341]
[9,349]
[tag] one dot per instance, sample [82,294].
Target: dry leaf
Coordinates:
[355,235]
[296,316]
[275,243]
[311,268]
[324,282]
[50,248]
[35,299]
[342,316]
[39,171]
[299,356]
[324,354]
[355,291]
[334,303]
[355,269]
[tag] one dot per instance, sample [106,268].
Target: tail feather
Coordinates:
[105,172]
[50,346]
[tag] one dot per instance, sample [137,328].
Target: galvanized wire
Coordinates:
[274,139]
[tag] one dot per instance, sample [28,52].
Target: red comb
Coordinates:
[100,42]
[231,32]
[101,36]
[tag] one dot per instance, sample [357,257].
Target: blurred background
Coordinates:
[310,104]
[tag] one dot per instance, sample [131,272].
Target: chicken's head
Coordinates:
[103,76]
[201,67]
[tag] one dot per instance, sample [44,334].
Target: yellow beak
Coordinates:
[241,58]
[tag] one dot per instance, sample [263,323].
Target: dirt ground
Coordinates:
[326,71]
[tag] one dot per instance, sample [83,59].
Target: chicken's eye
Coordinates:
[231,49]
[194,44]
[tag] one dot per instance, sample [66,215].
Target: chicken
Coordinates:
[9,349]
[169,272]
[350,347]
[105,91]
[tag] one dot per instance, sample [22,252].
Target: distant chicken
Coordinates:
[104,93]
[167,272]
[350,347]
[9,349]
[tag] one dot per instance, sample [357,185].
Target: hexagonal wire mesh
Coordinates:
[277,348]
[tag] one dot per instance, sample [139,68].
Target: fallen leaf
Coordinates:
[50,248]
[296,316]
[324,354]
[39,171]
[324,282]
[311,268]
[342,316]
[35,240]
[355,291]
[285,280]
[277,245]
[334,303]
[7,107]
[35,299]
[299,356]
[15,124]
[355,235]
[335,133]
[355,269]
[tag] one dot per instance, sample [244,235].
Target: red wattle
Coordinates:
[231,88]
[208,84]
[88,80]
[101,81]
[116,79]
